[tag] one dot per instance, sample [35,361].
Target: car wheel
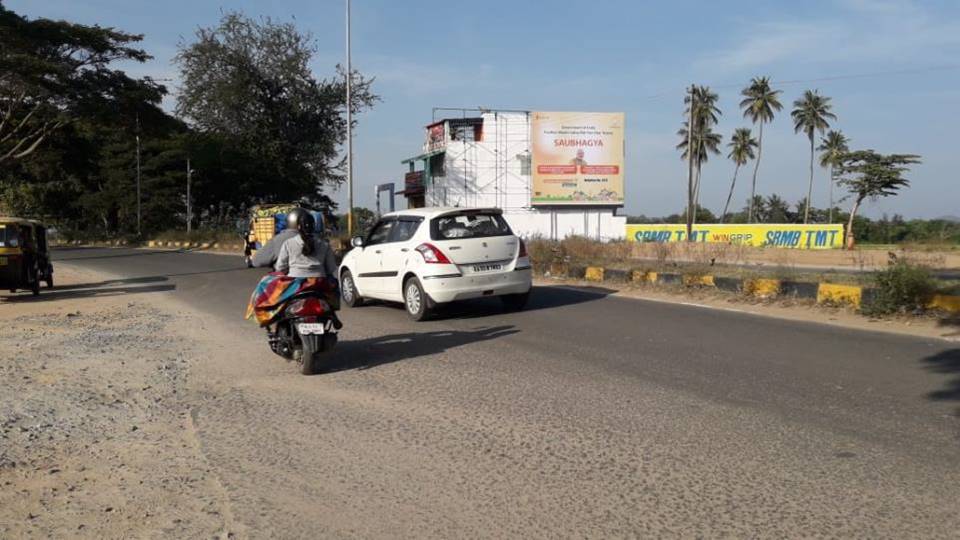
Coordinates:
[515,302]
[348,290]
[416,302]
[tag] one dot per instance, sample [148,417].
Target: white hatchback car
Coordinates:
[428,256]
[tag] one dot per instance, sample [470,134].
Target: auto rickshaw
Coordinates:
[24,255]
[265,221]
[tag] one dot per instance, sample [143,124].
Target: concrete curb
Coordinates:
[822,292]
[208,246]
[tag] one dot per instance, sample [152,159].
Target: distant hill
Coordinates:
[954,219]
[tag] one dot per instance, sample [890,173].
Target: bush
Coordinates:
[900,288]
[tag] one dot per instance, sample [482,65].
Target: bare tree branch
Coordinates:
[22,123]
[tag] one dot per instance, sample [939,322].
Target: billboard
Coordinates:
[759,235]
[577,158]
[436,137]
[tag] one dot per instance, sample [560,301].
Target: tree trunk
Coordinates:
[696,194]
[853,213]
[830,211]
[806,210]
[756,167]
[723,217]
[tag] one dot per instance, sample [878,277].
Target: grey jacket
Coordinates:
[292,260]
[267,254]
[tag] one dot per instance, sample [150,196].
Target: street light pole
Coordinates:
[189,205]
[349,134]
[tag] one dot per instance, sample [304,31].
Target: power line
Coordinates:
[915,71]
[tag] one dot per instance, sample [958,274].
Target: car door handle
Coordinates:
[377,251]
[404,249]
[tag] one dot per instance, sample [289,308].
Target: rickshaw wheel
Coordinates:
[36,288]
[50,282]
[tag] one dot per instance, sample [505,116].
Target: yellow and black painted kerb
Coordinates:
[822,292]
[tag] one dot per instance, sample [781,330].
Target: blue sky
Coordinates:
[611,55]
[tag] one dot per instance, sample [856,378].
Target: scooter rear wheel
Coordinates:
[307,355]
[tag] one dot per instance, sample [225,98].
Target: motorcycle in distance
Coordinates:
[304,330]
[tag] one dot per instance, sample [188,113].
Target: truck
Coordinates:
[266,220]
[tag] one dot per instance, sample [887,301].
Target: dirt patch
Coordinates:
[96,435]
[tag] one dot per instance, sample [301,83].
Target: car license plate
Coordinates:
[311,328]
[3,261]
[478,268]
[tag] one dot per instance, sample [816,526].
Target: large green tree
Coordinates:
[811,114]
[868,174]
[760,103]
[249,83]
[54,72]
[832,147]
[742,146]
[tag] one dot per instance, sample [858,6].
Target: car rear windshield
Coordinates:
[469,225]
[9,236]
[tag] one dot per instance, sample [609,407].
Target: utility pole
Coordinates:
[138,176]
[349,134]
[690,150]
[189,200]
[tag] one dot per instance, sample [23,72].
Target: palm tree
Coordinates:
[741,151]
[833,146]
[759,104]
[777,209]
[810,114]
[705,141]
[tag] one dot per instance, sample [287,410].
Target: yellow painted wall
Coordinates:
[772,235]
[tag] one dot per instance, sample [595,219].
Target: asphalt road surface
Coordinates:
[586,415]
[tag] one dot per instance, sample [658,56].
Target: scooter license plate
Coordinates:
[311,328]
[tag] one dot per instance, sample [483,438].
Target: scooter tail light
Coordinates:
[432,255]
[306,307]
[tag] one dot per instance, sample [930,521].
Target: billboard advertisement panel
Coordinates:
[577,158]
[759,235]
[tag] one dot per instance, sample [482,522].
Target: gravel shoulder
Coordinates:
[96,434]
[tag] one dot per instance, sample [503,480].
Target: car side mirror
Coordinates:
[356,241]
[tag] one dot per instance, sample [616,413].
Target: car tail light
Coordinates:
[523,249]
[432,255]
[305,307]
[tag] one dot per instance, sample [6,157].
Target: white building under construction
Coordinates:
[483,158]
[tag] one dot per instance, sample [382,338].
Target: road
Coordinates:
[586,415]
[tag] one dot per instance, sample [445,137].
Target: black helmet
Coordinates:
[294,216]
[305,222]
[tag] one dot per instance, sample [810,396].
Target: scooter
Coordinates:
[305,331]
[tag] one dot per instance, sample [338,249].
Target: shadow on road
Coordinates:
[952,323]
[123,254]
[947,362]
[56,294]
[377,351]
[542,297]
[111,282]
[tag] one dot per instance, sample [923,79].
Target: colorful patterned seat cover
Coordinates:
[276,288]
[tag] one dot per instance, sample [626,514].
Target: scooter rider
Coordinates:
[267,255]
[306,256]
